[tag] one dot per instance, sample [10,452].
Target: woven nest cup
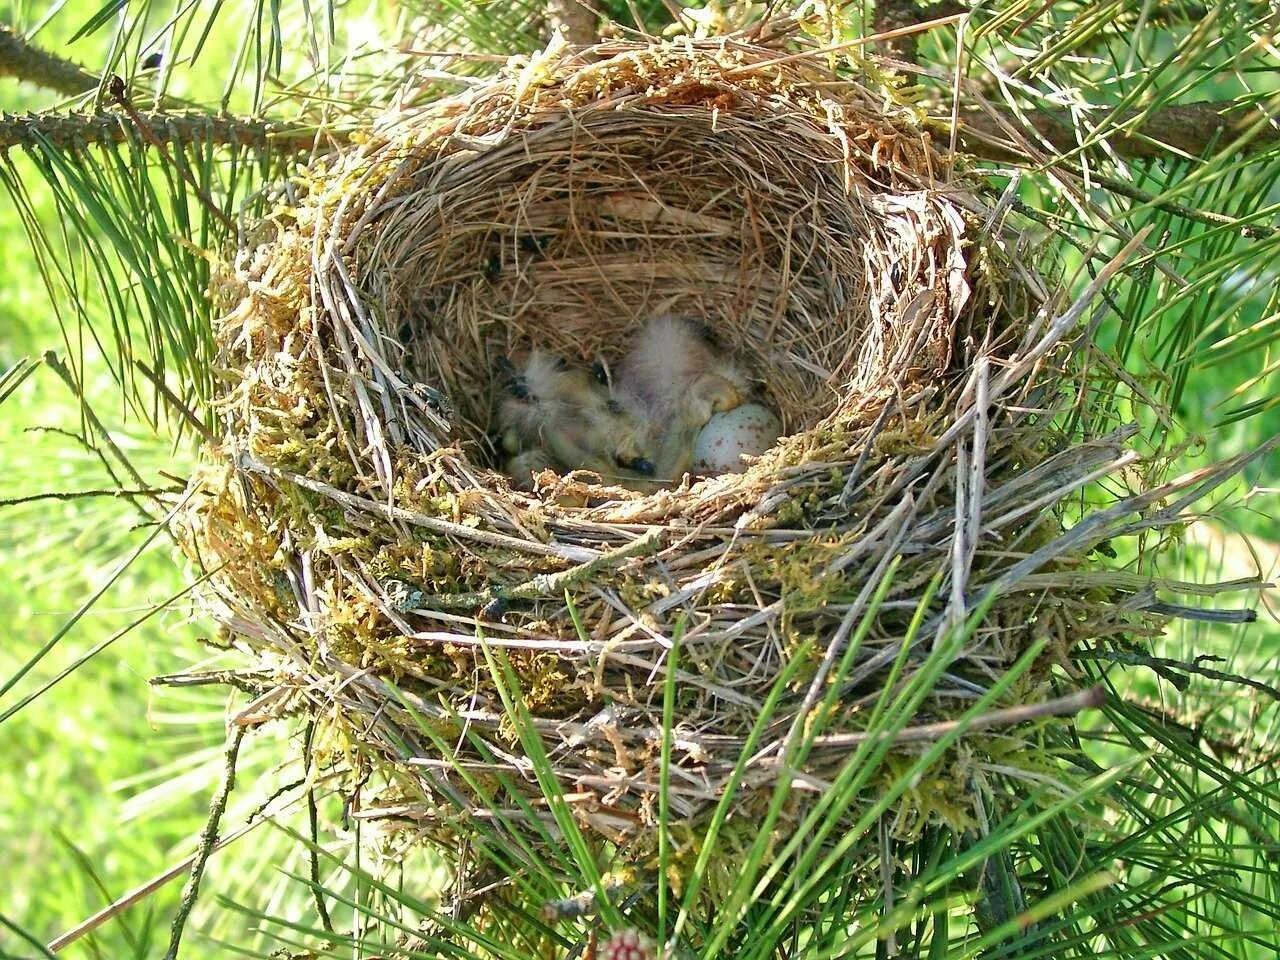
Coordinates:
[398,588]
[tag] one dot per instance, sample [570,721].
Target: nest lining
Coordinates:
[362,539]
[601,221]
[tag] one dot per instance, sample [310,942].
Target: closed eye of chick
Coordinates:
[564,416]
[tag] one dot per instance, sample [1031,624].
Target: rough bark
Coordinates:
[1189,128]
[20,59]
[578,20]
[75,129]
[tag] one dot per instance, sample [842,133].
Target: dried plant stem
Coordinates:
[1071,704]
[174,400]
[1170,669]
[549,584]
[208,842]
[141,892]
[70,495]
[313,824]
[417,518]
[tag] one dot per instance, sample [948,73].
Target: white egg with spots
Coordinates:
[748,430]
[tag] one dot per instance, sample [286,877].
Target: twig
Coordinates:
[1207,217]
[54,363]
[1197,613]
[67,495]
[1087,699]
[121,96]
[29,63]
[208,841]
[847,45]
[140,893]
[174,401]
[1162,665]
[313,823]
[250,681]
[543,585]
[416,518]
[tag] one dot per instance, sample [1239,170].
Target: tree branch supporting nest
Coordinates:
[1188,128]
[108,127]
[28,63]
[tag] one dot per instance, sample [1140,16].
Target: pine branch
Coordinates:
[1188,128]
[106,127]
[28,63]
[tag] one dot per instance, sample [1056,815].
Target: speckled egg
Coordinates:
[747,430]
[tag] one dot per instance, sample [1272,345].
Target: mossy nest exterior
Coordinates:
[369,556]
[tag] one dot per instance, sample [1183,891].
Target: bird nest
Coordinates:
[397,587]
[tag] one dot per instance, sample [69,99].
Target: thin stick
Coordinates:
[547,584]
[1088,699]
[68,495]
[313,823]
[415,518]
[1162,664]
[174,401]
[208,841]
[121,96]
[141,892]
[54,363]
[851,44]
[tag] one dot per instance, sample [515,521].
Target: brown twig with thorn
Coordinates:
[174,401]
[121,96]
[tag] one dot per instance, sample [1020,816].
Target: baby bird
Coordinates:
[675,381]
[565,417]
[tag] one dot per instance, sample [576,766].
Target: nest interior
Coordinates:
[358,537]
[828,284]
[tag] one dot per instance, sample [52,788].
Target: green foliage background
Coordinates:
[106,779]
